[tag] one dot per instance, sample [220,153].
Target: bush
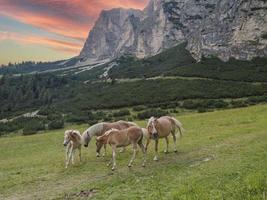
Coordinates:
[33,127]
[149,113]
[139,108]
[54,116]
[120,113]
[92,122]
[56,124]
[201,104]
[76,119]
[238,104]
[107,118]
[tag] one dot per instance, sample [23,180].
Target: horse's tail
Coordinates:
[178,125]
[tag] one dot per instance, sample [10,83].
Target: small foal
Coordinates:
[73,141]
[122,138]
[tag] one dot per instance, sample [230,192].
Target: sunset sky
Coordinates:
[47,30]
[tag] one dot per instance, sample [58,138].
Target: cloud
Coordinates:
[69,18]
[58,45]
[63,25]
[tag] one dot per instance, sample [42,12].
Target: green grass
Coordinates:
[223,155]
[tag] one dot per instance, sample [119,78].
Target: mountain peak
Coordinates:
[210,28]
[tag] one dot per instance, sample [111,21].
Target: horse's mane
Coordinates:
[151,119]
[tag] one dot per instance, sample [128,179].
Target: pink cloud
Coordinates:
[68,47]
[69,18]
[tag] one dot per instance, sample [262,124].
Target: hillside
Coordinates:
[171,80]
[222,155]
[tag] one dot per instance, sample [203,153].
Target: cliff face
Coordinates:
[222,28]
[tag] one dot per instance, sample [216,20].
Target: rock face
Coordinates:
[222,28]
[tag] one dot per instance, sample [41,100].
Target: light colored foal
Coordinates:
[72,141]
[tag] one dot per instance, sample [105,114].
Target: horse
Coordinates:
[100,128]
[122,138]
[72,141]
[161,128]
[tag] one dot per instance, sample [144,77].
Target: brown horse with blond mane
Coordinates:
[161,128]
[100,128]
[122,138]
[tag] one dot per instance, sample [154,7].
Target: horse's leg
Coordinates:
[98,153]
[67,156]
[105,150]
[72,157]
[174,141]
[134,154]
[80,153]
[113,157]
[147,143]
[167,145]
[144,152]
[156,150]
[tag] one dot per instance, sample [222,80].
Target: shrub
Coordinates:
[54,116]
[139,108]
[238,104]
[33,127]
[120,113]
[149,113]
[107,118]
[76,119]
[56,124]
[92,122]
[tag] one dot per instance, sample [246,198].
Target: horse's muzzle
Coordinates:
[155,136]
[65,144]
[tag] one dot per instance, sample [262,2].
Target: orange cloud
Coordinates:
[69,18]
[67,47]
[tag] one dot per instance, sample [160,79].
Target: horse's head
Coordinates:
[86,138]
[67,137]
[152,128]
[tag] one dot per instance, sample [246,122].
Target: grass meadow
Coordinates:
[223,155]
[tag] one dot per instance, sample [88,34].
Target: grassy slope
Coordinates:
[236,141]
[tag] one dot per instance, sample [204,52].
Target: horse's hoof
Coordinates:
[129,166]
[97,155]
[113,168]
[175,151]
[155,159]
[143,165]
[103,155]
[165,151]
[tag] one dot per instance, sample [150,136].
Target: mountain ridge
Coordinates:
[223,29]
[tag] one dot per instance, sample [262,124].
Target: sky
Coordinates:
[48,30]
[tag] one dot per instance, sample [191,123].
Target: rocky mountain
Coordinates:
[221,28]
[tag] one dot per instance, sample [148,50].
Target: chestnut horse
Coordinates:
[122,138]
[100,128]
[161,128]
